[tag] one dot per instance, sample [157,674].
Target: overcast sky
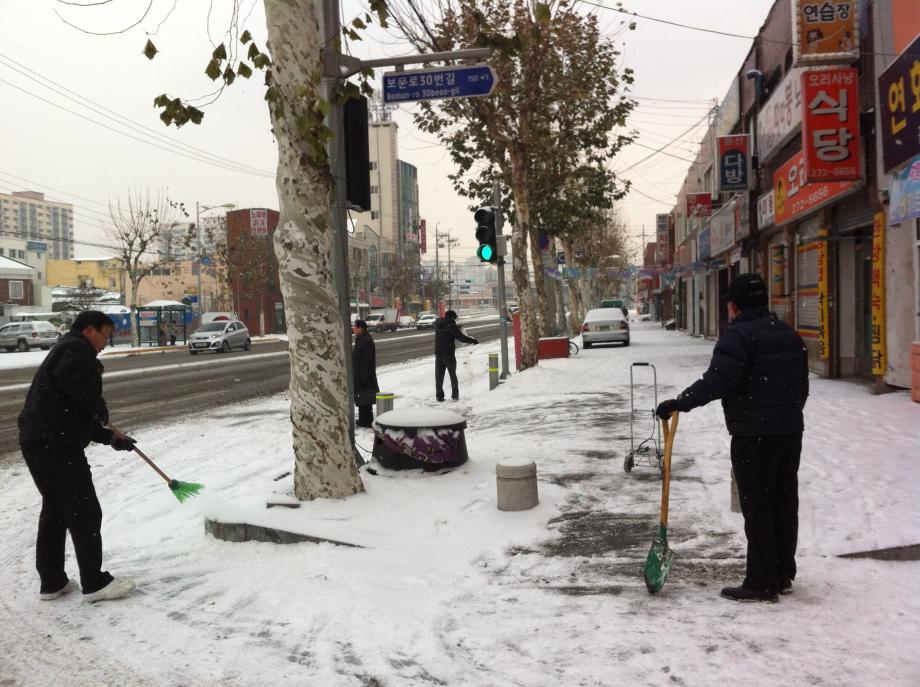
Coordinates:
[87,152]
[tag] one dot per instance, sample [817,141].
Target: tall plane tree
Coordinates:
[324,462]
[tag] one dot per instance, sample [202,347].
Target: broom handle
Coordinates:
[669,429]
[147,460]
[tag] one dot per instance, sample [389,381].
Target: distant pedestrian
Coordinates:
[171,330]
[446,332]
[64,411]
[759,369]
[364,371]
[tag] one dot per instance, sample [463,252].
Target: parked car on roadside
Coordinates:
[605,325]
[426,321]
[220,336]
[26,335]
[406,321]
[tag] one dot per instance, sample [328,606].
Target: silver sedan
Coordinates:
[605,325]
[220,336]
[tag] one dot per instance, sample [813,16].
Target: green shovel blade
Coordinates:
[658,563]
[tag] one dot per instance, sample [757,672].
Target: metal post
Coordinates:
[503,317]
[384,402]
[331,29]
[493,370]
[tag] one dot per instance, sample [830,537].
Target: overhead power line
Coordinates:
[659,150]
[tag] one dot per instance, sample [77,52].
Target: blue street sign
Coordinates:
[205,260]
[436,84]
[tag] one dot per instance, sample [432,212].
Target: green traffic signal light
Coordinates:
[486,234]
[485,253]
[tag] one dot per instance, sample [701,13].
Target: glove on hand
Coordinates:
[122,443]
[665,408]
[475,342]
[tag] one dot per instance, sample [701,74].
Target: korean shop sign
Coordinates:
[734,162]
[830,124]
[722,230]
[699,204]
[905,194]
[794,195]
[766,215]
[781,115]
[825,31]
[661,238]
[899,96]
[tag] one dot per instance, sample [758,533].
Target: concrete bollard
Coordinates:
[384,402]
[493,370]
[516,481]
[736,499]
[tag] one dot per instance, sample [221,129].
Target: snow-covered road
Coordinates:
[450,591]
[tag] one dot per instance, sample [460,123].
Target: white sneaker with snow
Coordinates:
[71,586]
[115,589]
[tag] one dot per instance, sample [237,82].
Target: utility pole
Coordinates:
[502,301]
[449,241]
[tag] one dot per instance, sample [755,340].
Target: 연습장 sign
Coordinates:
[830,124]
[734,162]
[825,31]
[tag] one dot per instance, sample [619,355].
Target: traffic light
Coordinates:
[485,234]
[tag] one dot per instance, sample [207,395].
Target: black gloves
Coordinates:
[665,408]
[122,443]
[475,342]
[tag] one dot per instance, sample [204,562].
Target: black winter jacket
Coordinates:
[760,371]
[364,363]
[64,406]
[446,331]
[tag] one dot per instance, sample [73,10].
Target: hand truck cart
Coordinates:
[647,452]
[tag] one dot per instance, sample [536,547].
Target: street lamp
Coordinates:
[198,209]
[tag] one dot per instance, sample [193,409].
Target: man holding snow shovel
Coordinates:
[759,370]
[64,411]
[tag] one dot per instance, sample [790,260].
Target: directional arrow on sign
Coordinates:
[466,81]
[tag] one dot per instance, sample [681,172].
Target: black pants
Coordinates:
[446,362]
[69,503]
[766,470]
[365,416]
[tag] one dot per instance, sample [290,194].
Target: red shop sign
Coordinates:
[830,125]
[796,195]
[699,204]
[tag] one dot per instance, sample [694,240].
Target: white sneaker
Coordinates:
[71,586]
[115,589]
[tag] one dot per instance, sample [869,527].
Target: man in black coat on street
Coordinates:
[759,369]
[364,371]
[446,332]
[64,411]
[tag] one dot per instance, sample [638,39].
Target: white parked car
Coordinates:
[25,335]
[426,321]
[406,321]
[220,336]
[605,325]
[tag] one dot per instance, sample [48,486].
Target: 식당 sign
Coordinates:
[899,97]
[734,158]
[794,195]
[830,124]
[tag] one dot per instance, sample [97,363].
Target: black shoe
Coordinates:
[785,586]
[440,400]
[454,398]
[744,594]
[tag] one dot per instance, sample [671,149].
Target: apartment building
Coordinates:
[27,216]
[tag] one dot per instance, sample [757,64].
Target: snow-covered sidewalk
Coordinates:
[448,590]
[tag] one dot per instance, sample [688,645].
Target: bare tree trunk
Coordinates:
[324,463]
[541,286]
[519,235]
[576,306]
[135,326]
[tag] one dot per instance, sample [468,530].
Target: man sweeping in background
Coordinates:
[759,369]
[64,411]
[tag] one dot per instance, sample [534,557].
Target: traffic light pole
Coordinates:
[502,300]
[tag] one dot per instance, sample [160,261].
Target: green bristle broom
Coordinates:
[181,490]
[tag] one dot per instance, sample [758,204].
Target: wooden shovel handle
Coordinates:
[147,460]
[668,429]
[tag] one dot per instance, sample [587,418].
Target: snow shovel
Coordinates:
[181,490]
[658,563]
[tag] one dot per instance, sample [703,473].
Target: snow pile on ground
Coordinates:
[448,590]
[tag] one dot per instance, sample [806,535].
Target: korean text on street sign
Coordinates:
[734,168]
[780,116]
[899,96]
[258,222]
[825,31]
[905,194]
[661,238]
[422,236]
[436,84]
[830,124]
[699,204]
[765,212]
[879,322]
[795,196]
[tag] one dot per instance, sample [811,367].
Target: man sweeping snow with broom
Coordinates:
[64,411]
[760,371]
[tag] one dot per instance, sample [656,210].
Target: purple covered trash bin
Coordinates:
[420,438]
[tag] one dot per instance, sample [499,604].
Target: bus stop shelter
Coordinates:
[163,323]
